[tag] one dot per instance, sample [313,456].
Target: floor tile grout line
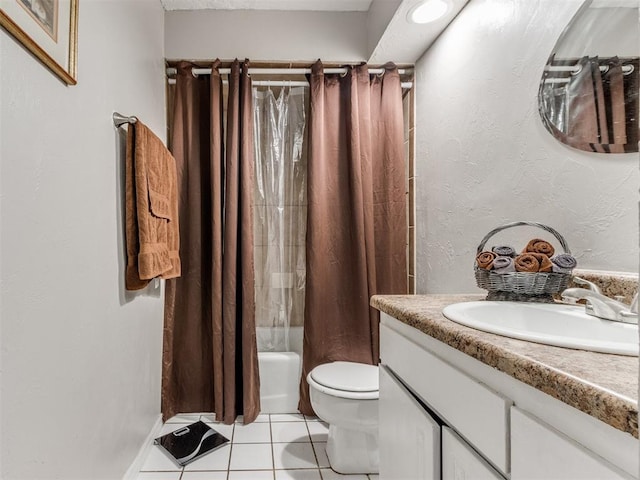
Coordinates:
[233,434]
[273,455]
[313,448]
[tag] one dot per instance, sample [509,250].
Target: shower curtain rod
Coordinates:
[285,71]
[574,69]
[284,83]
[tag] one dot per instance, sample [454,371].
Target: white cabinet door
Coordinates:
[539,451]
[409,436]
[461,462]
[480,414]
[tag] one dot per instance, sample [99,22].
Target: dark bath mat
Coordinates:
[190,442]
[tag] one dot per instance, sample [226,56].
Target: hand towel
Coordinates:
[151,209]
[503,265]
[526,262]
[545,264]
[485,260]
[563,263]
[538,245]
[504,251]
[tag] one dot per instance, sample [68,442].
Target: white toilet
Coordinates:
[345,395]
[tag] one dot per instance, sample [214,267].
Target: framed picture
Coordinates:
[48,29]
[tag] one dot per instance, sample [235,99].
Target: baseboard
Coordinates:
[133,471]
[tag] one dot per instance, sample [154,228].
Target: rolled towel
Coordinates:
[526,262]
[546,265]
[537,245]
[504,265]
[485,260]
[563,263]
[504,251]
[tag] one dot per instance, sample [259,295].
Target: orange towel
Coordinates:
[151,209]
[538,245]
[527,262]
[485,260]
[545,263]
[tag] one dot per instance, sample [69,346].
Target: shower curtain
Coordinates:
[279,213]
[357,221]
[209,346]
[589,111]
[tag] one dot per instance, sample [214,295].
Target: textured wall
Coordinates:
[80,358]
[483,157]
[266,35]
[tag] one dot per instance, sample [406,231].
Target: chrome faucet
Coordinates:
[600,305]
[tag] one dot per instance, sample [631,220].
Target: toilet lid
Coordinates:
[347,376]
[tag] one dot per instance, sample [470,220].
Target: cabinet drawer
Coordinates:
[540,451]
[479,414]
[460,461]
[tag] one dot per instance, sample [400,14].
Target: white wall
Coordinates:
[80,358]
[378,17]
[483,157]
[266,35]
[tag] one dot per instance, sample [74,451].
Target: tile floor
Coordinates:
[275,447]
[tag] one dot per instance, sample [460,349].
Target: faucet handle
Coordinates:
[632,313]
[633,308]
[590,285]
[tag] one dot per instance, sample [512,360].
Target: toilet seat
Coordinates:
[351,380]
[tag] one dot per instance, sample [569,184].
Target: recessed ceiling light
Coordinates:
[428,11]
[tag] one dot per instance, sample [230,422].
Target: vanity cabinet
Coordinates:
[563,458]
[416,445]
[478,413]
[444,414]
[460,461]
[410,445]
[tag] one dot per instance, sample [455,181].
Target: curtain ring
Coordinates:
[577,70]
[344,74]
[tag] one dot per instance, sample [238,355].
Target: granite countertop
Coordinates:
[602,385]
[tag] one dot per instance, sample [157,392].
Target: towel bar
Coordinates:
[119,119]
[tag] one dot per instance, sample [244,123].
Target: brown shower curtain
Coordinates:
[596,107]
[209,349]
[356,221]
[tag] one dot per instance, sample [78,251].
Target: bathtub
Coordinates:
[279,381]
[279,371]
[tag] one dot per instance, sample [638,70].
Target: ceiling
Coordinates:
[312,5]
[390,34]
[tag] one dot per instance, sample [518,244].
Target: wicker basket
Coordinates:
[522,283]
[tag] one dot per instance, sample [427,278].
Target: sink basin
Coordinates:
[551,324]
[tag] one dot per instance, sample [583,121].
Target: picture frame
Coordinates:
[48,29]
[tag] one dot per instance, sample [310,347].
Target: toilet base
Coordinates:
[353,451]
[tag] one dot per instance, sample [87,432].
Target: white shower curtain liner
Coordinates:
[280,216]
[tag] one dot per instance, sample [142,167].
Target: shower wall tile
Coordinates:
[258,264]
[411,192]
[294,221]
[411,204]
[405,115]
[259,225]
[268,315]
[411,159]
[411,248]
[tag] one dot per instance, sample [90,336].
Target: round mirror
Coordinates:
[588,97]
